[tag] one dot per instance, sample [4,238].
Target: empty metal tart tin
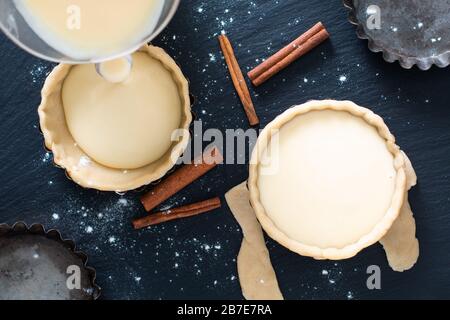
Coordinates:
[413,32]
[36,264]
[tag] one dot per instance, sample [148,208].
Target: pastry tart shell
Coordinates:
[88,173]
[383,225]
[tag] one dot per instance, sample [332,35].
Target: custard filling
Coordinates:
[334,179]
[123,125]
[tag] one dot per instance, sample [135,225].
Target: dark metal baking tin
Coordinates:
[34,265]
[413,32]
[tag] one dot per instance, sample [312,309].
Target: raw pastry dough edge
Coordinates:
[378,231]
[66,153]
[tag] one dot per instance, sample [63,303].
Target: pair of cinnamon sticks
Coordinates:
[175,182]
[270,67]
[289,54]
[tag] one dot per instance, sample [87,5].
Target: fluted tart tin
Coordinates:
[36,264]
[412,32]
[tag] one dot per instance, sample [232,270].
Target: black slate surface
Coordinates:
[195,258]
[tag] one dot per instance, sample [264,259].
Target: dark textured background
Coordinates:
[195,258]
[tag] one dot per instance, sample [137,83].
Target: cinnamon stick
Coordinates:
[178,213]
[283,53]
[238,80]
[286,56]
[181,178]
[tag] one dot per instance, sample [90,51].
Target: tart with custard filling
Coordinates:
[327,179]
[117,136]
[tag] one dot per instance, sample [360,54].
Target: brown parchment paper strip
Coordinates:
[256,275]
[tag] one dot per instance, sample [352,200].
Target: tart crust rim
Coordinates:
[53,84]
[378,231]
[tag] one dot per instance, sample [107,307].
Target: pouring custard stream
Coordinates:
[87,29]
